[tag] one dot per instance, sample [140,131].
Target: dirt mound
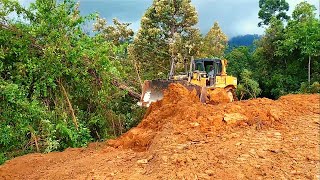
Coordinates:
[176,98]
[183,110]
[218,96]
[181,138]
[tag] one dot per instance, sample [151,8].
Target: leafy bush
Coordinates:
[20,119]
[28,126]
[248,87]
[3,158]
[307,88]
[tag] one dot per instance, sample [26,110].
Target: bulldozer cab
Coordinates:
[204,71]
[204,65]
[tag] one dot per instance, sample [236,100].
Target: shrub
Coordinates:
[307,88]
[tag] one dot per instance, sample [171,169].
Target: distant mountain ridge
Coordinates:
[243,40]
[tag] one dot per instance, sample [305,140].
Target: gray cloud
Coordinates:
[236,17]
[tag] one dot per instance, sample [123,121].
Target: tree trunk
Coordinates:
[309,69]
[65,94]
[131,92]
[137,71]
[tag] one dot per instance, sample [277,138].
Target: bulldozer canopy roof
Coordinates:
[206,64]
[216,60]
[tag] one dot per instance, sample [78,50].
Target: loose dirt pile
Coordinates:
[218,96]
[183,109]
[183,138]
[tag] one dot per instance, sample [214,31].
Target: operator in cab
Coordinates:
[211,75]
[211,72]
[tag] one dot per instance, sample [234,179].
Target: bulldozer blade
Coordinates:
[152,90]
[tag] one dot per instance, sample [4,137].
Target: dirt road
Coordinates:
[180,138]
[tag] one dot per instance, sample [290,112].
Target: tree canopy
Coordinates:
[164,26]
[270,8]
[214,43]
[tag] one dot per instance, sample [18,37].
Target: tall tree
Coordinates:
[285,53]
[269,8]
[165,24]
[214,43]
[268,44]
[118,33]
[272,66]
[303,34]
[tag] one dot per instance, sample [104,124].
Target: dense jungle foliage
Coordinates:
[61,86]
[286,58]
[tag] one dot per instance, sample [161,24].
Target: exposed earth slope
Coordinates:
[180,138]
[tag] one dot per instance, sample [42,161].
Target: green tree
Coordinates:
[164,24]
[57,82]
[270,8]
[277,73]
[214,43]
[303,35]
[239,59]
[183,47]
[284,53]
[267,46]
[119,33]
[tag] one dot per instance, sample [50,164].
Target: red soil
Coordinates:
[183,138]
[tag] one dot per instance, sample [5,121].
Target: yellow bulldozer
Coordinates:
[204,76]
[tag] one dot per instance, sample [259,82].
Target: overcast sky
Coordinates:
[236,17]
